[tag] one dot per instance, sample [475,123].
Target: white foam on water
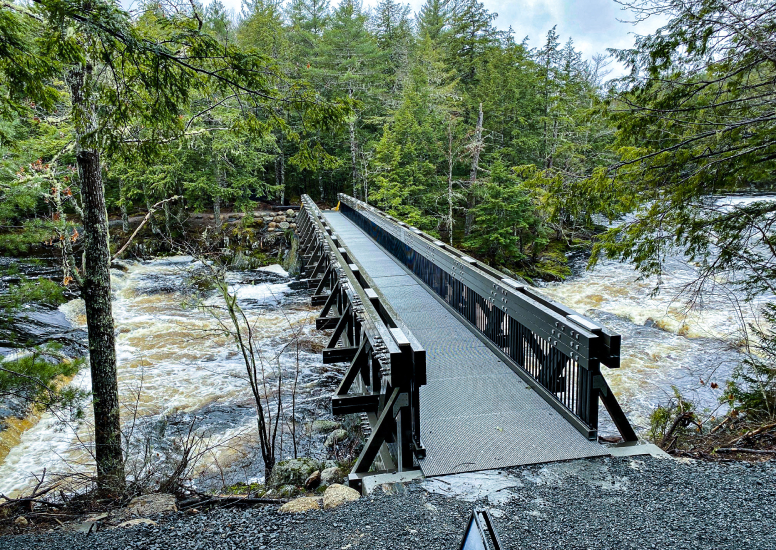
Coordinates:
[44,446]
[275,268]
[264,292]
[177,357]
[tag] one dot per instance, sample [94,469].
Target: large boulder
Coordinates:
[330,476]
[302,504]
[324,426]
[313,481]
[335,437]
[292,472]
[337,494]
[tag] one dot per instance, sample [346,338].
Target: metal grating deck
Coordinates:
[475,413]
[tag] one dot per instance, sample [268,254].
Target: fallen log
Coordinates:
[741,450]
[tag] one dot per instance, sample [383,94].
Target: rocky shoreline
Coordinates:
[610,503]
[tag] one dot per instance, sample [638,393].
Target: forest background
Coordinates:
[515,153]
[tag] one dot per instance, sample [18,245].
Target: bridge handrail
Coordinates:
[387,389]
[556,350]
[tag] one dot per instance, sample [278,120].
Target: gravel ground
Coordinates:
[621,503]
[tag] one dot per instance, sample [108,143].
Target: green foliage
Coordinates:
[29,291]
[695,119]
[752,389]
[310,97]
[663,417]
[506,219]
[39,377]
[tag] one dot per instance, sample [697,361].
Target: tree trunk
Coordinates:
[450,163]
[354,155]
[99,321]
[471,195]
[220,179]
[96,293]
[280,172]
[353,149]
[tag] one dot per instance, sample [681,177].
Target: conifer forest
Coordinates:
[132,133]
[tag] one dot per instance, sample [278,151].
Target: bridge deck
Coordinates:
[475,412]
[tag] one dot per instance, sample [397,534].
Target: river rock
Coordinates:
[335,437]
[293,226]
[325,426]
[292,472]
[284,225]
[313,481]
[148,505]
[302,504]
[133,522]
[330,476]
[21,521]
[337,495]
[272,225]
[118,264]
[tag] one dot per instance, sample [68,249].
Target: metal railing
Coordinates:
[387,364]
[557,351]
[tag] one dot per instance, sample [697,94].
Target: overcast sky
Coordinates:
[593,24]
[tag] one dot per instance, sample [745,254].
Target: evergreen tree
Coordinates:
[432,19]
[393,31]
[348,63]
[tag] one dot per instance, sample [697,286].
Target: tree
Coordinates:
[348,62]
[506,218]
[393,31]
[471,34]
[432,19]
[695,117]
[121,77]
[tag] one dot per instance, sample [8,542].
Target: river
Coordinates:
[177,367]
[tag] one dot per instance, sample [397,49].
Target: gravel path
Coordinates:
[621,503]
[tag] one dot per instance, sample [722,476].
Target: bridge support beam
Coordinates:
[387,364]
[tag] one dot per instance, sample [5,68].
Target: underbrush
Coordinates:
[748,430]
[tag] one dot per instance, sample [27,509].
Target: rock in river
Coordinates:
[331,476]
[292,472]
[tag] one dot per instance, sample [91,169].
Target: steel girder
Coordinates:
[387,365]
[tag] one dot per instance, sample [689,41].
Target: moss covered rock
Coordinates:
[292,472]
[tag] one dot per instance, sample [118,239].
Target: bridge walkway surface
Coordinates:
[475,412]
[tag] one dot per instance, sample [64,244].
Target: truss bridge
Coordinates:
[455,366]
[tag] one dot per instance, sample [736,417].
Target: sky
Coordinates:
[595,25]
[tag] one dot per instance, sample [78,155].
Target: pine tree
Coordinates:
[348,63]
[432,19]
[471,35]
[393,31]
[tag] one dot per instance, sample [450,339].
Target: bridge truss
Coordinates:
[555,350]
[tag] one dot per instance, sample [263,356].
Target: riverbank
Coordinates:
[611,503]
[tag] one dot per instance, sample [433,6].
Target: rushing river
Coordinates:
[175,363]
[176,366]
